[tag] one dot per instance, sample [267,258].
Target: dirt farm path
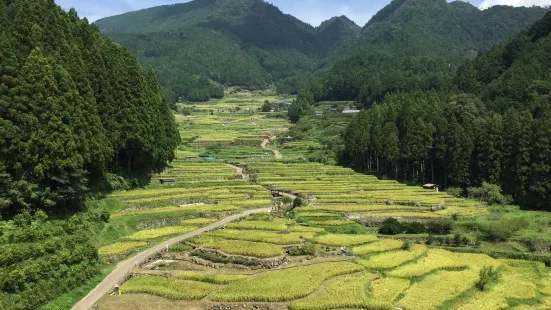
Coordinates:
[239,171]
[124,268]
[265,142]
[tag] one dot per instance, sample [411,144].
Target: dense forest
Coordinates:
[77,112]
[492,125]
[78,115]
[201,46]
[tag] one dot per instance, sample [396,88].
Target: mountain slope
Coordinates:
[337,30]
[421,42]
[197,46]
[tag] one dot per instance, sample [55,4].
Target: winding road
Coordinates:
[124,268]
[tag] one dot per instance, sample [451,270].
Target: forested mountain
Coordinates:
[492,126]
[76,110]
[336,31]
[418,44]
[199,46]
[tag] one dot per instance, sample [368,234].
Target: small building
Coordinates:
[319,113]
[350,112]
[167,181]
[276,191]
[204,155]
[432,187]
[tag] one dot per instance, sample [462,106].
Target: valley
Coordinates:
[322,253]
[224,155]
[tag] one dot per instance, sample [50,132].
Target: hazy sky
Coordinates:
[310,11]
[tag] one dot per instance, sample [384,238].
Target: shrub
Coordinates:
[297,203]
[440,226]
[489,193]
[391,226]
[501,230]
[487,276]
[407,245]
[455,192]
[287,200]
[303,250]
[414,228]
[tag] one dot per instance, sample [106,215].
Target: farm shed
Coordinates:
[276,191]
[432,187]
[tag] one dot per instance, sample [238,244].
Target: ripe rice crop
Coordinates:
[379,246]
[345,240]
[331,223]
[237,247]
[393,259]
[439,259]
[388,289]
[222,207]
[119,248]
[252,202]
[161,232]
[275,224]
[198,222]
[403,214]
[317,214]
[261,236]
[151,211]
[516,282]
[366,208]
[346,292]
[283,285]
[300,228]
[210,278]
[437,288]
[166,287]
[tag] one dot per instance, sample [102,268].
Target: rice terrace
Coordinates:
[226,155]
[318,244]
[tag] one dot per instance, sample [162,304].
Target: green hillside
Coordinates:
[425,40]
[491,126]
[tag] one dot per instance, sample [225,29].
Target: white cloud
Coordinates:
[488,3]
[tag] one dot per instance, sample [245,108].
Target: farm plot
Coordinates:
[283,285]
[338,190]
[238,247]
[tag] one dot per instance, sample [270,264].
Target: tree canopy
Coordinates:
[74,108]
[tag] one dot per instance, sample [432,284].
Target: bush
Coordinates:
[414,228]
[286,200]
[487,275]
[489,193]
[455,192]
[303,250]
[407,245]
[391,226]
[440,227]
[501,230]
[297,203]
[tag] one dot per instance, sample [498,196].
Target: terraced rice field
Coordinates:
[317,257]
[336,190]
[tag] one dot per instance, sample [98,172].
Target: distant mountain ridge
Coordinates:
[199,46]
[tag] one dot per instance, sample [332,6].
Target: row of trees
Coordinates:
[75,109]
[493,126]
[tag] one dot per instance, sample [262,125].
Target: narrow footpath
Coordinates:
[239,171]
[126,267]
[265,142]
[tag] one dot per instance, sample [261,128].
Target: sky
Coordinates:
[310,11]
